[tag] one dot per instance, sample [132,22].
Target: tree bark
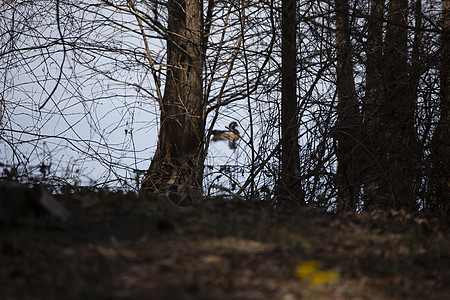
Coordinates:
[439,181]
[372,107]
[290,183]
[400,146]
[349,118]
[178,162]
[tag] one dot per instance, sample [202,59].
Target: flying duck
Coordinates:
[231,135]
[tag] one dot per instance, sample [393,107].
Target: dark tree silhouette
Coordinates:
[439,181]
[290,183]
[348,119]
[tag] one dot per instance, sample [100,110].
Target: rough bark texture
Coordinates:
[178,161]
[439,184]
[349,118]
[290,183]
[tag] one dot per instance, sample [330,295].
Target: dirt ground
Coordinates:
[117,247]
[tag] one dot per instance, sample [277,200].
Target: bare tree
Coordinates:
[98,79]
[400,147]
[392,150]
[439,181]
[290,183]
[348,119]
[178,161]
[372,106]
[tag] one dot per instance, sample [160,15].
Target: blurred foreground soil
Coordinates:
[115,246]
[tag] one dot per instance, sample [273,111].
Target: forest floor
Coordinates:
[117,247]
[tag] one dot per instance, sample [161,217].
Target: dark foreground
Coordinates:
[115,247]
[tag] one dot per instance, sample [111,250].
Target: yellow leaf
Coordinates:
[306,269]
[324,277]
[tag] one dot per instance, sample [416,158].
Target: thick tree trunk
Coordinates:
[178,161]
[439,181]
[400,146]
[349,118]
[290,183]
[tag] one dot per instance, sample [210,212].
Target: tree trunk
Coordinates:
[416,69]
[372,107]
[439,181]
[349,118]
[400,146]
[290,183]
[178,162]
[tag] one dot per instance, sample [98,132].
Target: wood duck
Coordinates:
[231,135]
